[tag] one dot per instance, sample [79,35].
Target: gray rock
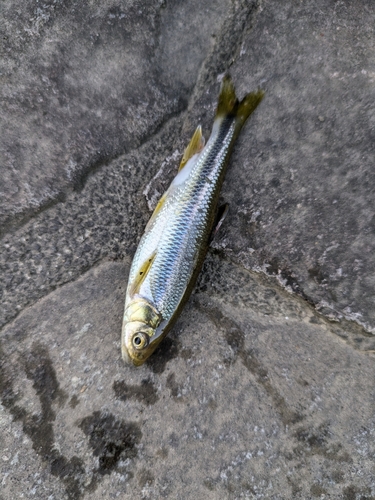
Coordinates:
[107,216]
[263,389]
[252,395]
[302,180]
[84,83]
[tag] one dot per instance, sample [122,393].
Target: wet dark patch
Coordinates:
[275,182]
[111,440]
[317,439]
[162,453]
[173,386]
[295,487]
[248,488]
[238,489]
[145,393]
[317,275]
[71,472]
[74,401]
[316,442]
[349,493]
[317,491]
[174,440]
[186,353]
[209,484]
[352,492]
[288,416]
[234,337]
[168,350]
[212,404]
[337,476]
[145,478]
[315,320]
[39,427]
[40,371]
[302,382]
[278,268]
[236,340]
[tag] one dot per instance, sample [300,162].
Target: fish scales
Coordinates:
[188,217]
[176,238]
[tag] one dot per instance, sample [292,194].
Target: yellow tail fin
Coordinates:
[229,105]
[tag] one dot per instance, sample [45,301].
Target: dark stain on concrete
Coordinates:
[337,476]
[288,416]
[162,453]
[39,427]
[276,267]
[296,488]
[209,484]
[145,393]
[212,404]
[145,478]
[236,340]
[186,353]
[318,442]
[173,386]
[74,401]
[316,273]
[168,350]
[317,491]
[351,492]
[40,371]
[111,440]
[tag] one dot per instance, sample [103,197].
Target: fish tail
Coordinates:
[230,106]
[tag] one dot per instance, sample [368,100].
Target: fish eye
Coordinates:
[140,340]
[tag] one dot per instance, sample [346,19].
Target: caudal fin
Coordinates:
[230,106]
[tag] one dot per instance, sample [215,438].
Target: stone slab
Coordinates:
[252,396]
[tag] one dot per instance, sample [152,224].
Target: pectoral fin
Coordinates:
[221,214]
[195,146]
[141,275]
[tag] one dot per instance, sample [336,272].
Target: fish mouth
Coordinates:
[130,360]
[125,356]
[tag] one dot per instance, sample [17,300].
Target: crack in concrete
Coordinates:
[350,331]
[25,260]
[57,251]
[227,48]
[82,178]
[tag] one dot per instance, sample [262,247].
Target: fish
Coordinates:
[172,249]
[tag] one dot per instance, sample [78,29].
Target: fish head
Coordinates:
[137,343]
[140,332]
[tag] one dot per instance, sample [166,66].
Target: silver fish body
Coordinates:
[172,249]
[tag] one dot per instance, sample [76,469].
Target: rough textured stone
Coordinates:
[82,83]
[256,393]
[108,215]
[251,396]
[302,183]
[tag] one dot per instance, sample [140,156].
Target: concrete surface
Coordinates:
[265,387]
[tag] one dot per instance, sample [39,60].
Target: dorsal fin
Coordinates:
[141,274]
[195,146]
